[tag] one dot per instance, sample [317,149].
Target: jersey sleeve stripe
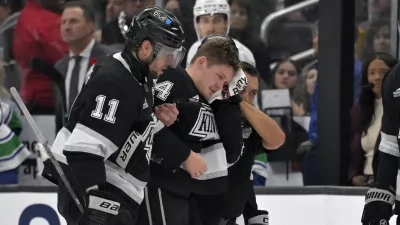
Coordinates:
[159,126]
[389,145]
[59,142]
[118,170]
[84,139]
[125,182]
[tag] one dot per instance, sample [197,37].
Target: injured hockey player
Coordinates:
[190,158]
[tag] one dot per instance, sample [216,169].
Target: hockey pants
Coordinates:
[161,208]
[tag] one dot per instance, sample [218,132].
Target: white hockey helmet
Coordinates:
[211,7]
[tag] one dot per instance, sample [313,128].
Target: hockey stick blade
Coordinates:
[45,144]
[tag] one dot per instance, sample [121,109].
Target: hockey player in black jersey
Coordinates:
[105,146]
[381,198]
[204,122]
[260,132]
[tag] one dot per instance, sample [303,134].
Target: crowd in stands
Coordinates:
[72,38]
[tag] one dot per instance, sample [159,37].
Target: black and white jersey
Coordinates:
[232,203]
[389,145]
[108,138]
[196,129]
[391,113]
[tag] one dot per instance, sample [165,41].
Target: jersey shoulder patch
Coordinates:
[172,83]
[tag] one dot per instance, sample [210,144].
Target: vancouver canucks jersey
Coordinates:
[12,151]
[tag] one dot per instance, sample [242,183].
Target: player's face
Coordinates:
[213,78]
[251,90]
[74,26]
[376,70]
[215,24]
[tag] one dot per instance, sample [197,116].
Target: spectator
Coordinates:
[37,34]
[366,118]
[113,9]
[9,14]
[303,91]
[379,9]
[311,78]
[285,75]
[242,30]
[377,38]
[306,152]
[77,27]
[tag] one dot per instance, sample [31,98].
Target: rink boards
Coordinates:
[295,205]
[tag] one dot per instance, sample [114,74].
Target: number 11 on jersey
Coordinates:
[110,116]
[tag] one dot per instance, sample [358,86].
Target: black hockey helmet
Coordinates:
[162,29]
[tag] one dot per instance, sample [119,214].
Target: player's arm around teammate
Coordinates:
[107,140]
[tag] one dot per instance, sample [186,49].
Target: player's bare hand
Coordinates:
[195,165]
[167,113]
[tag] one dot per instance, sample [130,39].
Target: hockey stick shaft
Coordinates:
[45,144]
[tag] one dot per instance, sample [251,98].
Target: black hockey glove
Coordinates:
[102,209]
[378,206]
[261,219]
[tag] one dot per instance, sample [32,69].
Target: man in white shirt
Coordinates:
[77,26]
[212,17]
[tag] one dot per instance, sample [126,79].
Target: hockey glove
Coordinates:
[261,219]
[378,206]
[102,209]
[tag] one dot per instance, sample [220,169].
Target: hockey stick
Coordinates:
[54,75]
[45,144]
